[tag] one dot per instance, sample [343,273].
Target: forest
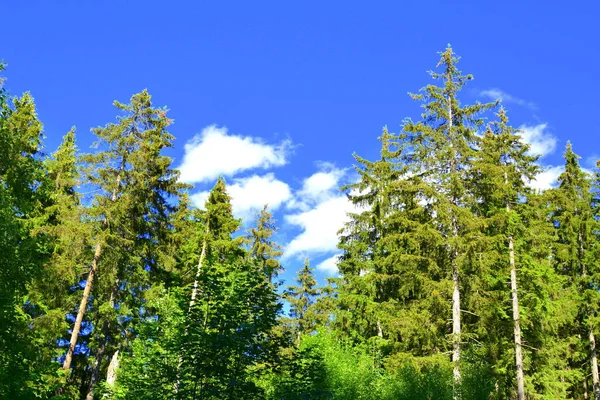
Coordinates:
[457,280]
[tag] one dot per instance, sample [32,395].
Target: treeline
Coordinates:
[457,280]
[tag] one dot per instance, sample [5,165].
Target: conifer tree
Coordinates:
[22,254]
[302,299]
[440,148]
[391,286]
[262,247]
[228,324]
[64,226]
[500,172]
[65,234]
[136,192]
[577,229]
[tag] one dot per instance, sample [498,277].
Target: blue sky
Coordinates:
[292,89]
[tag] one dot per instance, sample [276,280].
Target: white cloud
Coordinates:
[319,226]
[329,265]
[318,187]
[250,194]
[215,152]
[497,94]
[542,143]
[322,210]
[547,178]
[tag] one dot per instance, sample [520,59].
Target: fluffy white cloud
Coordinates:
[250,194]
[322,212]
[329,265]
[215,152]
[547,178]
[318,187]
[319,225]
[497,94]
[542,143]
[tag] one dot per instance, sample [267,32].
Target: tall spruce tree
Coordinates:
[67,242]
[501,171]
[441,148]
[22,252]
[391,286]
[577,230]
[136,192]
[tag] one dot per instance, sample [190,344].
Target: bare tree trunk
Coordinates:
[594,364]
[516,321]
[379,329]
[198,270]
[113,367]
[95,371]
[585,388]
[82,307]
[515,309]
[456,327]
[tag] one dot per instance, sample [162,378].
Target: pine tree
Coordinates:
[500,173]
[219,225]
[441,148]
[136,193]
[391,287]
[302,299]
[22,253]
[262,247]
[228,325]
[573,216]
[65,236]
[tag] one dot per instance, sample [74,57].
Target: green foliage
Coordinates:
[262,247]
[24,368]
[136,193]
[149,367]
[325,367]
[302,302]
[447,240]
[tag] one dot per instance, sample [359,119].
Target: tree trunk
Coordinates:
[594,362]
[456,328]
[516,321]
[198,270]
[379,329]
[95,371]
[515,309]
[113,367]
[82,307]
